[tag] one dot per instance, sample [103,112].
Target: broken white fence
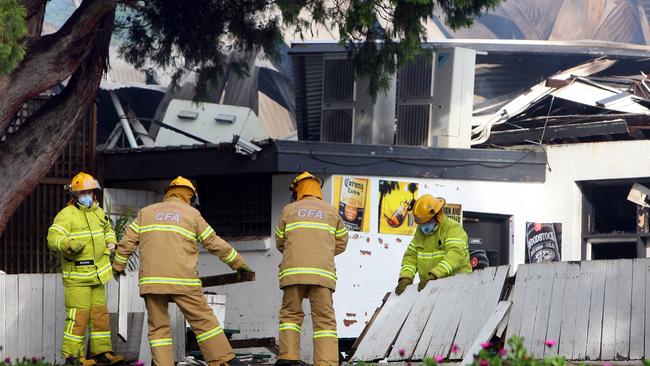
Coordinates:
[32,317]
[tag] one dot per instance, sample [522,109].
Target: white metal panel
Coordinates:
[246,124]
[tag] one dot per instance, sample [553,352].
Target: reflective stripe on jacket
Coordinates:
[443,253]
[90,227]
[309,234]
[168,234]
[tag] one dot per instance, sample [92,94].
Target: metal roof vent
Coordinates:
[225,118]
[188,115]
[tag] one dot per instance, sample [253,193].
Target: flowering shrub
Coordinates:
[514,354]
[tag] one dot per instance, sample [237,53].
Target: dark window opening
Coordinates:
[613,250]
[236,206]
[490,233]
[612,212]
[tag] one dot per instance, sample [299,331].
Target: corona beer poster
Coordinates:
[394,200]
[351,197]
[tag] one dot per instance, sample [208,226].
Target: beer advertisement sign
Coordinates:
[394,200]
[454,211]
[543,242]
[351,196]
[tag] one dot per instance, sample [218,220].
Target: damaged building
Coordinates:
[514,135]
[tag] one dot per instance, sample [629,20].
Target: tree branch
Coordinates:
[51,59]
[27,155]
[35,16]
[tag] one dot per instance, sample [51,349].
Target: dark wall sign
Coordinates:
[543,242]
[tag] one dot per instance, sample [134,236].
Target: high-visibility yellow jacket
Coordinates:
[443,252]
[168,234]
[309,234]
[90,227]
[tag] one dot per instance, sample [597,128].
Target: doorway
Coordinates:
[489,232]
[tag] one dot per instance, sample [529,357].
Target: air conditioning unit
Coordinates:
[349,115]
[435,99]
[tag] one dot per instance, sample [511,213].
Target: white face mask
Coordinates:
[85,200]
[429,227]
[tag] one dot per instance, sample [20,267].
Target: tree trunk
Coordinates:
[50,59]
[27,155]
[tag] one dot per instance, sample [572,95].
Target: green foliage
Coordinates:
[13,30]
[514,355]
[379,35]
[119,226]
[34,361]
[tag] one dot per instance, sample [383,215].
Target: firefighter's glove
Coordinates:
[73,247]
[117,274]
[401,285]
[425,280]
[243,271]
[244,268]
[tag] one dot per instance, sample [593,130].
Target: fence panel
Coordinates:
[32,317]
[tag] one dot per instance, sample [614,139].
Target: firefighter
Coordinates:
[167,234]
[82,234]
[439,246]
[310,233]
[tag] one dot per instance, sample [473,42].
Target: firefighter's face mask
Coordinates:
[429,227]
[85,199]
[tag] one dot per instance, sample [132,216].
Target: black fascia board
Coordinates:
[156,163]
[410,161]
[288,157]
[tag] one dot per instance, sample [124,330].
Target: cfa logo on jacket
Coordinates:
[168,216]
[310,213]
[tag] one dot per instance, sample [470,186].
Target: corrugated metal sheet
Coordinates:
[337,125]
[413,125]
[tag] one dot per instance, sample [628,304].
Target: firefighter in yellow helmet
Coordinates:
[309,234]
[82,234]
[167,234]
[438,248]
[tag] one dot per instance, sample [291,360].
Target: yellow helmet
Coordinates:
[181,182]
[302,176]
[83,182]
[427,207]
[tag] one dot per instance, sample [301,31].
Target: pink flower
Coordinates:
[550,343]
[409,363]
[484,362]
[7,360]
[402,352]
[454,348]
[439,358]
[486,345]
[35,359]
[139,363]
[503,352]
[607,364]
